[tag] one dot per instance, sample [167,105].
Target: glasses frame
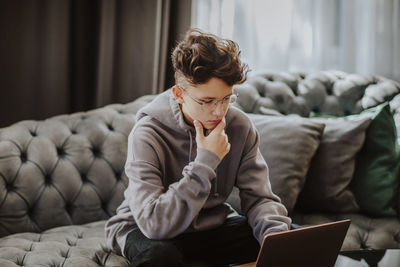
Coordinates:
[215,101]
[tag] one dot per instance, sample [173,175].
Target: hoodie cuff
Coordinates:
[208,158]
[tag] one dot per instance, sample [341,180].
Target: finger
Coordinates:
[221,125]
[228,148]
[223,133]
[199,128]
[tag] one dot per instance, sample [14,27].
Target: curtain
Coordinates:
[64,56]
[357,36]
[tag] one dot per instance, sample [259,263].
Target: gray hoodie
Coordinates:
[175,187]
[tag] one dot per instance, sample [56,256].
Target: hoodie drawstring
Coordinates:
[215,185]
[191,143]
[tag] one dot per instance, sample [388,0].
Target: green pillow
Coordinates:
[375,183]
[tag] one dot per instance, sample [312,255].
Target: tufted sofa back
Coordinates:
[327,92]
[69,169]
[65,170]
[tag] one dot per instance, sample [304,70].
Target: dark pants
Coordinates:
[231,243]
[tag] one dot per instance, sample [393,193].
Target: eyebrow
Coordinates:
[212,98]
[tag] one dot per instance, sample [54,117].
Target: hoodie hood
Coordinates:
[166,110]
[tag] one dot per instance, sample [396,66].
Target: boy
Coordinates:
[186,152]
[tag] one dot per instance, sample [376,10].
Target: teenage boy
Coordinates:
[187,151]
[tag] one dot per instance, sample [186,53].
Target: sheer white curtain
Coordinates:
[357,36]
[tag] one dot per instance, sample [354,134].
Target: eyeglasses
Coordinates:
[209,104]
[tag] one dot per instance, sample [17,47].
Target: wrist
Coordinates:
[207,157]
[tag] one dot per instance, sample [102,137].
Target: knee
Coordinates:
[164,254]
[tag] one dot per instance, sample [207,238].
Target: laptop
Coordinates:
[317,245]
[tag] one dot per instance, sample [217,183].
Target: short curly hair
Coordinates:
[201,56]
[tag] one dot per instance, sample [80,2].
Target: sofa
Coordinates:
[63,177]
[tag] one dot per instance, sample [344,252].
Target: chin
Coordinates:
[210,128]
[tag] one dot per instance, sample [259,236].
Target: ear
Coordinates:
[177,92]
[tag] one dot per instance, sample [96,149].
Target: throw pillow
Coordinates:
[327,184]
[287,144]
[375,183]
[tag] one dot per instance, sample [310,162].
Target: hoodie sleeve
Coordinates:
[264,210]
[160,212]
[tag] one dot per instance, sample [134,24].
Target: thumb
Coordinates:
[199,129]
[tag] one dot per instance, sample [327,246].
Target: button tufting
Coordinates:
[96,152]
[47,179]
[10,187]
[71,244]
[69,207]
[33,133]
[118,175]
[30,212]
[73,131]
[23,156]
[110,127]
[60,152]
[84,177]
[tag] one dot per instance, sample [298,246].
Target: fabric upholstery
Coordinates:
[78,245]
[64,170]
[71,246]
[288,160]
[375,183]
[61,178]
[327,92]
[365,232]
[327,186]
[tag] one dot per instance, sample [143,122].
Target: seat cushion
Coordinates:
[84,245]
[364,232]
[74,245]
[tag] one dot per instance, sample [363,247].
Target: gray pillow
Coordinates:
[287,144]
[332,167]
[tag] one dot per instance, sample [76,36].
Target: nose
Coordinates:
[218,109]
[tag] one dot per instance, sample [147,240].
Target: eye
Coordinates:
[207,101]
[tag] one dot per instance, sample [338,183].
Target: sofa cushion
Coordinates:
[375,183]
[66,246]
[364,232]
[332,168]
[84,245]
[287,143]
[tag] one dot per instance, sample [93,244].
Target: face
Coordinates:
[208,114]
